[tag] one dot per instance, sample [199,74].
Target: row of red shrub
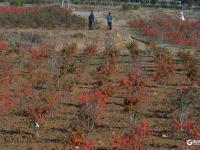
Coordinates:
[184,33]
[17,9]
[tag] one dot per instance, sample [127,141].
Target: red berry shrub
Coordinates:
[164,66]
[17,9]
[189,62]
[91,104]
[134,140]
[83,143]
[44,105]
[149,31]
[190,127]
[94,95]
[26,89]
[3,45]
[184,33]
[40,78]
[6,101]
[33,52]
[77,140]
[90,50]
[6,97]
[5,80]
[133,84]
[91,47]
[42,51]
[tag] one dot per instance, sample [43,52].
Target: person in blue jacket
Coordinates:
[91,20]
[109,20]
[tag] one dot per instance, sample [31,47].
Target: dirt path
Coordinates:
[120,26]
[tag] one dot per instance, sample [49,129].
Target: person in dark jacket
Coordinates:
[91,20]
[109,20]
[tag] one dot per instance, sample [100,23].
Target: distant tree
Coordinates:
[154,1]
[189,2]
[34,1]
[16,2]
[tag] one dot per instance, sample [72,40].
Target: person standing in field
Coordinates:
[91,20]
[109,20]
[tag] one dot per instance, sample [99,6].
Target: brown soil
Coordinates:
[19,133]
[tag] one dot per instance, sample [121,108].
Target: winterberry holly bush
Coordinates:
[190,127]
[77,140]
[5,79]
[133,83]
[95,95]
[149,31]
[6,101]
[43,106]
[42,51]
[91,103]
[91,47]
[190,65]
[185,104]
[27,89]
[134,139]
[163,63]
[90,50]
[40,77]
[183,33]
[3,46]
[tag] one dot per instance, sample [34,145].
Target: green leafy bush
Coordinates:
[34,1]
[128,6]
[17,2]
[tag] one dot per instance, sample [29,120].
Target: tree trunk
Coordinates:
[62,5]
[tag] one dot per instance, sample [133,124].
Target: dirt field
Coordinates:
[160,105]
